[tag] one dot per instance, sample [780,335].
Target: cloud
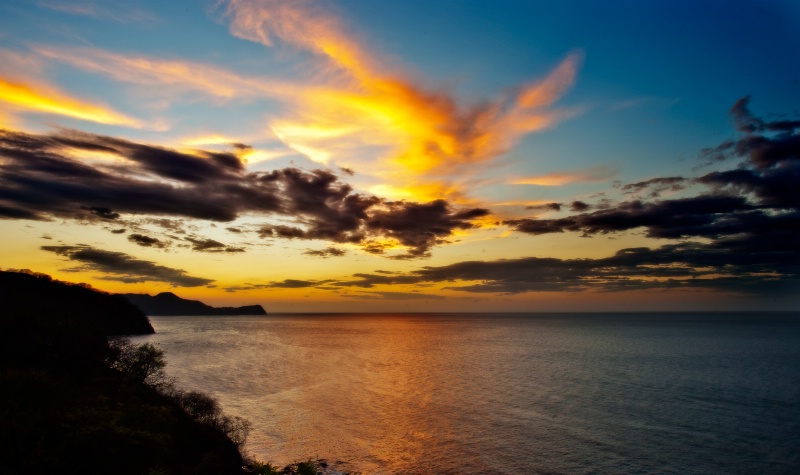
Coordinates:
[545,207]
[170,75]
[656,186]
[210,245]
[396,296]
[707,216]
[592,175]
[122,267]
[46,99]
[759,197]
[41,179]
[99,12]
[731,266]
[579,206]
[750,217]
[325,253]
[421,133]
[295,284]
[147,241]
[100,212]
[421,226]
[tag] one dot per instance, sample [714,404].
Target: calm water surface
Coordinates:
[504,394]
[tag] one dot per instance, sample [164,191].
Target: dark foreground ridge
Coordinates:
[169,304]
[34,303]
[73,402]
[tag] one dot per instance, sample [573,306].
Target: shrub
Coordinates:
[143,363]
[206,410]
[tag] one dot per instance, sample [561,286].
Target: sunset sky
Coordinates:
[337,156]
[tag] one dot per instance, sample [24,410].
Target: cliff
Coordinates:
[37,300]
[71,403]
[169,304]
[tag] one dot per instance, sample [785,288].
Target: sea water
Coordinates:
[701,393]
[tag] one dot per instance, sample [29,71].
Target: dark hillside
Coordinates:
[50,322]
[70,404]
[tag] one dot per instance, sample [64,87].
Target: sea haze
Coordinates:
[504,393]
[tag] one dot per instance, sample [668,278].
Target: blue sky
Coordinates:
[461,129]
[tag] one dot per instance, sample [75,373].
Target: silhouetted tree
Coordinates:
[143,363]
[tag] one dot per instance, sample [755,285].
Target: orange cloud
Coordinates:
[48,100]
[419,134]
[591,175]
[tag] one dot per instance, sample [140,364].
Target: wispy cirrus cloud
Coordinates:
[415,142]
[422,134]
[590,175]
[172,75]
[119,12]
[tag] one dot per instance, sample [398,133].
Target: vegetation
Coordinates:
[74,401]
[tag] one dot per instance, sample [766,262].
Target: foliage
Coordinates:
[143,363]
[206,410]
[256,467]
[307,468]
[73,401]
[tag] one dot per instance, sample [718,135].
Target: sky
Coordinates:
[414,156]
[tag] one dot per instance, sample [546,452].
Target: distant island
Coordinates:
[169,304]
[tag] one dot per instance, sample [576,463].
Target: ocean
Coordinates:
[632,393]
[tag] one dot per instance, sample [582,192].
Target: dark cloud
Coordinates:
[764,145]
[421,226]
[368,281]
[295,284]
[579,206]
[396,296]
[327,252]
[122,267]
[737,265]
[147,241]
[750,215]
[241,147]
[655,186]
[100,212]
[174,225]
[758,196]
[234,230]
[746,122]
[738,235]
[245,287]
[208,245]
[707,216]
[118,231]
[211,245]
[545,207]
[40,180]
